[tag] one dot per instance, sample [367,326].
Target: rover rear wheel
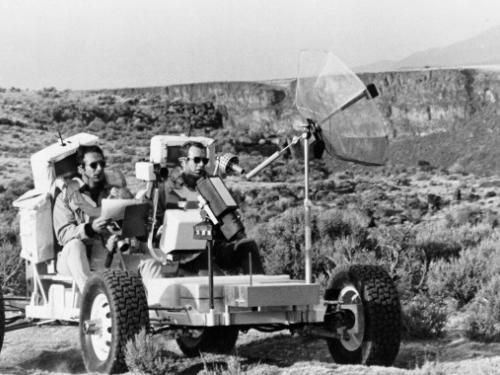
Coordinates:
[210,339]
[371,330]
[113,309]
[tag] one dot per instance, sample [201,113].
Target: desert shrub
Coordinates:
[433,241]
[458,278]
[334,224]
[462,277]
[436,241]
[484,313]
[12,272]
[424,317]
[338,236]
[349,249]
[282,243]
[144,356]
[218,365]
[13,190]
[469,235]
[464,214]
[260,205]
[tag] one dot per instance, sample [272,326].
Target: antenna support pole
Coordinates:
[307,209]
[309,129]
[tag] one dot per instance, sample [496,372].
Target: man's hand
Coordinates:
[99,225]
[113,227]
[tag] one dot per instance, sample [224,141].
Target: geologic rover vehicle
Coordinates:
[359,314]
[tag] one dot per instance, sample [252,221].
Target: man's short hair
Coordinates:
[186,146]
[83,150]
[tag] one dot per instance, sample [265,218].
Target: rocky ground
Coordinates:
[55,350]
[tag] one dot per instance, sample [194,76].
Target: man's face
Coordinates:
[196,161]
[92,170]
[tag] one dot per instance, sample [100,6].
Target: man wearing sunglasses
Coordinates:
[181,185]
[79,229]
[232,256]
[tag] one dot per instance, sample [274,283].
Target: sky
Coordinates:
[91,44]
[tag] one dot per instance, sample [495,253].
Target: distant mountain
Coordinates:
[480,50]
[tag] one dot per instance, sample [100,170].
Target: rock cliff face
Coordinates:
[253,107]
[415,103]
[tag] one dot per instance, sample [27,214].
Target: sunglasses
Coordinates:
[197,160]
[94,164]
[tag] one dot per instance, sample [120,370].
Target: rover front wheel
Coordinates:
[210,339]
[113,309]
[370,332]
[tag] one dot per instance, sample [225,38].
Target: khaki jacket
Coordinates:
[74,208]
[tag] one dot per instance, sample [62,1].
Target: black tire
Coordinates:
[2,319]
[371,288]
[219,340]
[117,300]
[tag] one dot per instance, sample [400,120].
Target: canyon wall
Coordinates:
[415,103]
[418,103]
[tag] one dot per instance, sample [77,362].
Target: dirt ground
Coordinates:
[55,350]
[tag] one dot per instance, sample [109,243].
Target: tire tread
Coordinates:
[382,315]
[129,306]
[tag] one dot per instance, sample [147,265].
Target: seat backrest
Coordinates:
[166,149]
[58,159]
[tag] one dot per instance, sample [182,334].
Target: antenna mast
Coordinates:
[61,138]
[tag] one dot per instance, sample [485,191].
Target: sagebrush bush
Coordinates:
[433,241]
[338,236]
[336,223]
[424,317]
[463,214]
[483,318]
[144,356]
[282,243]
[459,278]
[436,241]
[472,235]
[13,190]
[12,270]
[348,249]
[462,277]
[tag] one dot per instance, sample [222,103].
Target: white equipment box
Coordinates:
[35,226]
[178,231]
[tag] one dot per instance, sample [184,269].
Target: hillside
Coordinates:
[483,48]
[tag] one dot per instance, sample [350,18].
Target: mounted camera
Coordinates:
[220,206]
